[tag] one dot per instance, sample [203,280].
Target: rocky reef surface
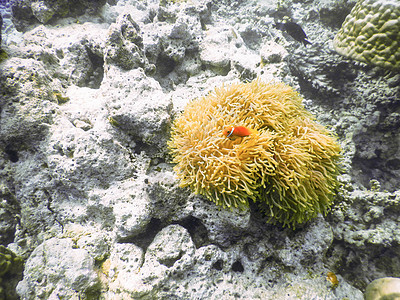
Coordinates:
[89,201]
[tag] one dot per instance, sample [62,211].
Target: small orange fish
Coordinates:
[233,133]
[331,277]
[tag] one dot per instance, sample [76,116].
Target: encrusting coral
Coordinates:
[288,164]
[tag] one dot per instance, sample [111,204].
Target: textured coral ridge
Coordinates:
[371,33]
[288,165]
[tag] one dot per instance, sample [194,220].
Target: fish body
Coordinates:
[233,133]
[294,30]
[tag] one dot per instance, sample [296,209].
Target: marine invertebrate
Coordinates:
[288,165]
[332,278]
[371,33]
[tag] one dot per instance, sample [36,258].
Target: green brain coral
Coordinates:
[371,33]
[288,165]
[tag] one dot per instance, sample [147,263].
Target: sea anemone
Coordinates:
[288,165]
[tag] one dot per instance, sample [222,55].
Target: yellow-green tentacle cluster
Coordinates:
[288,165]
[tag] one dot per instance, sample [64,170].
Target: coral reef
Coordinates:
[367,222]
[67,267]
[383,288]
[88,198]
[124,45]
[26,12]
[288,165]
[371,33]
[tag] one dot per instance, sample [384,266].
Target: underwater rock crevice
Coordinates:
[218,265]
[144,239]
[96,76]
[196,229]
[10,214]
[12,153]
[237,267]
[165,65]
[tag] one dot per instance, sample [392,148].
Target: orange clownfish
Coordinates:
[233,133]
